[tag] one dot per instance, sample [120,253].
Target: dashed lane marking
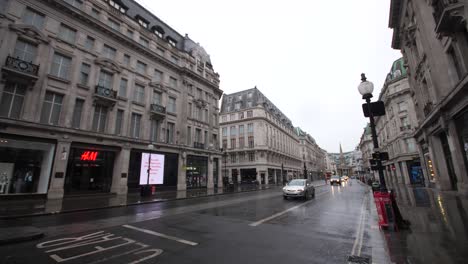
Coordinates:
[150,232]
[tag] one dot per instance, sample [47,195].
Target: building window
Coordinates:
[206,116]
[233,158]
[105,79]
[232,117]
[89,43]
[224,118]
[241,130]
[119,121]
[251,156]
[139,95]
[410,145]
[170,133]
[249,114]
[33,18]
[135,125]
[75,3]
[241,142]
[250,128]
[189,136]
[233,131]
[12,100]
[60,66]
[197,135]
[215,120]
[229,99]
[173,82]
[76,119]
[189,110]
[157,98]
[251,141]
[51,108]
[224,144]
[122,9]
[25,51]
[205,141]
[158,32]
[130,33]
[126,60]
[172,42]
[404,122]
[113,24]
[249,95]
[402,106]
[160,51]
[142,22]
[214,139]
[109,52]
[171,106]
[123,88]
[196,112]
[95,13]
[237,106]
[154,133]
[233,143]
[67,34]
[224,129]
[175,60]
[144,42]
[100,118]
[241,115]
[84,74]
[241,157]
[249,104]
[157,76]
[141,67]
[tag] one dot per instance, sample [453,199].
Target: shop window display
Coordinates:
[24,166]
[197,172]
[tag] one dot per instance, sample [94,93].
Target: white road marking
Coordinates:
[285,211]
[161,235]
[357,246]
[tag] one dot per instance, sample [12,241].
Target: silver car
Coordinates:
[299,188]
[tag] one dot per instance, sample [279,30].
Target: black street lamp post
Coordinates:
[225,160]
[366,88]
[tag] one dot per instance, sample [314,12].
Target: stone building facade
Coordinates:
[396,128]
[89,88]
[313,157]
[432,36]
[258,140]
[366,146]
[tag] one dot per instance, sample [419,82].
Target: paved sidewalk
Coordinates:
[26,208]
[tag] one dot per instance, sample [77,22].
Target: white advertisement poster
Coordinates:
[152,164]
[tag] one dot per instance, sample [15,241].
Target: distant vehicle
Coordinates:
[335,179]
[345,178]
[299,188]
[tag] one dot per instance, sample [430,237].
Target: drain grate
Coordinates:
[358,260]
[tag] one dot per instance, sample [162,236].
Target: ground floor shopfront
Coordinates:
[74,166]
[258,174]
[404,171]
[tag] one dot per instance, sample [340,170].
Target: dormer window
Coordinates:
[142,21]
[171,41]
[158,31]
[118,5]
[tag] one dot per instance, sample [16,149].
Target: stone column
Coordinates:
[266,178]
[406,177]
[181,172]
[259,178]
[238,176]
[275,176]
[229,174]
[440,166]
[210,184]
[220,173]
[62,154]
[120,174]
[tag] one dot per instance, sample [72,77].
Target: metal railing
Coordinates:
[21,65]
[158,109]
[105,92]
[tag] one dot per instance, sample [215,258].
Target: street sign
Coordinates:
[377,109]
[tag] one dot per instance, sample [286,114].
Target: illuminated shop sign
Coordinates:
[89,155]
[152,165]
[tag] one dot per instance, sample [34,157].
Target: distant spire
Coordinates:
[341,150]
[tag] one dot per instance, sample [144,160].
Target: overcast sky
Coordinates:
[306,56]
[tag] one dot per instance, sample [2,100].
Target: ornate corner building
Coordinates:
[88,86]
[259,142]
[432,36]
[395,130]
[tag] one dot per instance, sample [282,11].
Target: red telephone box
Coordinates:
[383,202]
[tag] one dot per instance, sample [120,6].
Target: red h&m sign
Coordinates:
[89,155]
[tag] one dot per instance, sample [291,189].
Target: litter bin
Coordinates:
[385,210]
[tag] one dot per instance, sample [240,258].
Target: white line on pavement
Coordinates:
[360,231]
[285,211]
[161,235]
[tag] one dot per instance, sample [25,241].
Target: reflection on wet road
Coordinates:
[258,227]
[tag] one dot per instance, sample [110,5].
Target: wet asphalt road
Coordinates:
[256,227]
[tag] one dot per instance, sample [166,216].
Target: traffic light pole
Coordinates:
[383,186]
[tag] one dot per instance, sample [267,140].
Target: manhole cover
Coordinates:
[358,259]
